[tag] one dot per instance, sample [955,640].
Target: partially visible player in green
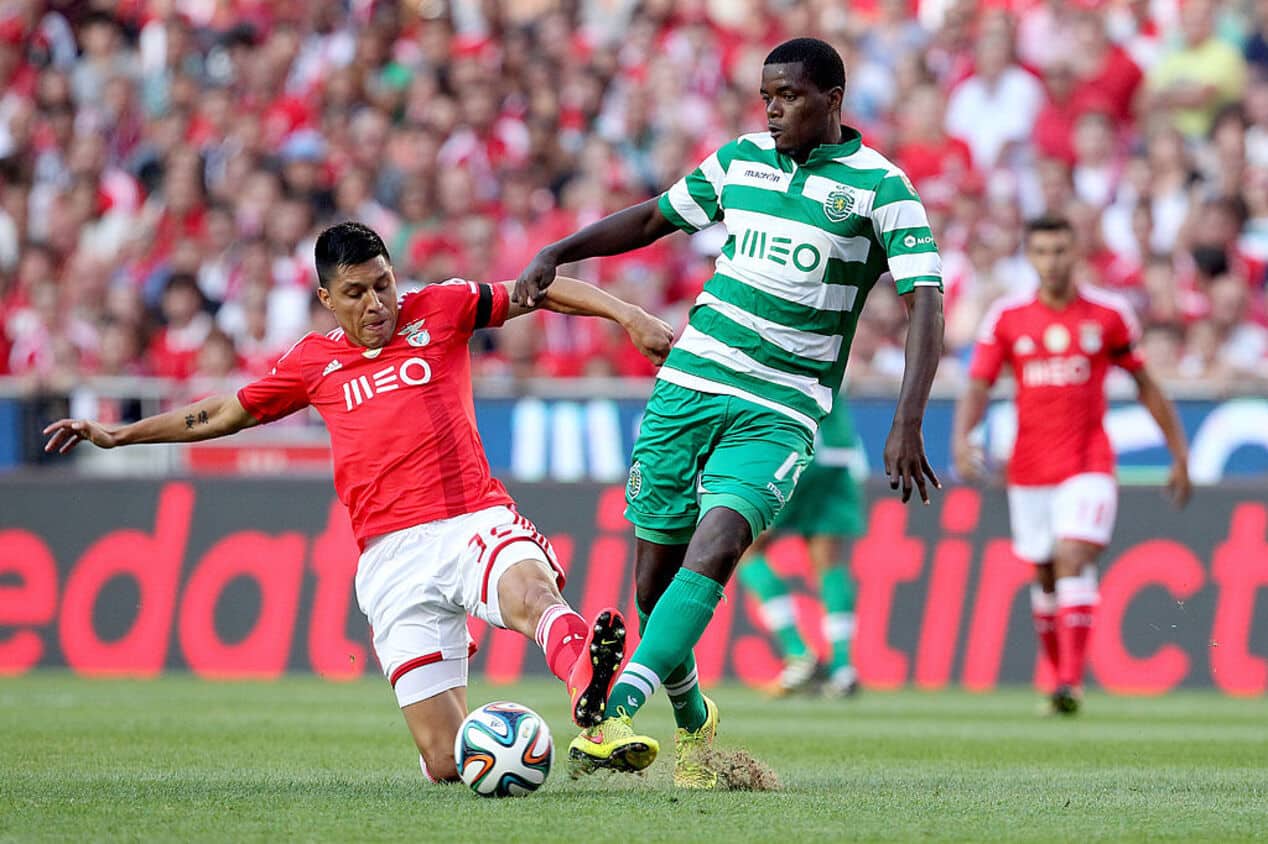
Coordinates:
[826,510]
[814,219]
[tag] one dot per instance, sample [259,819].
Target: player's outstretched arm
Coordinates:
[1164,413]
[969,410]
[216,416]
[651,335]
[905,461]
[628,229]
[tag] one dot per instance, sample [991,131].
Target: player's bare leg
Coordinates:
[585,656]
[434,724]
[1074,570]
[836,588]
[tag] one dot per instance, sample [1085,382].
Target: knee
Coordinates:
[719,543]
[1072,561]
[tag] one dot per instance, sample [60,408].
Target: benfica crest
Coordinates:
[415,334]
[1090,337]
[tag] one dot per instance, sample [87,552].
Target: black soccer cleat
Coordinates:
[1065,701]
[596,668]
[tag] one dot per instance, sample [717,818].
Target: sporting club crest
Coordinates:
[839,204]
[415,334]
[635,484]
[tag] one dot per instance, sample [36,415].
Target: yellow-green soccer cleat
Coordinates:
[611,744]
[692,767]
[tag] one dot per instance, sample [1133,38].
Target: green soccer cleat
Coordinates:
[692,768]
[613,745]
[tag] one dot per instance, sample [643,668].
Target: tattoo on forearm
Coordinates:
[201,419]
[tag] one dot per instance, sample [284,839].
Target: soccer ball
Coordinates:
[503,749]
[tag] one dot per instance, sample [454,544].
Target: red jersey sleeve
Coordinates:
[990,350]
[1123,338]
[281,392]
[474,305]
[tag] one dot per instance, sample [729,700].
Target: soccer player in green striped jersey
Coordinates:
[814,218]
[827,512]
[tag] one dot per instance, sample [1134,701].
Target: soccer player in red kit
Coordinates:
[440,538]
[1059,343]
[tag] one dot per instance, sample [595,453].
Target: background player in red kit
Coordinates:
[439,536]
[1062,497]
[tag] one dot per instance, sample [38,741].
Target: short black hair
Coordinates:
[819,60]
[186,281]
[1049,223]
[346,245]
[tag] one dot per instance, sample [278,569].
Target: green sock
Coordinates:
[673,628]
[683,687]
[778,610]
[838,621]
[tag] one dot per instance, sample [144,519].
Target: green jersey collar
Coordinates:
[851,140]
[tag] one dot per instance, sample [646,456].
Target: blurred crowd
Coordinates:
[166,164]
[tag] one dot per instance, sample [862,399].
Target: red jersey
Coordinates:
[1059,359]
[401,418]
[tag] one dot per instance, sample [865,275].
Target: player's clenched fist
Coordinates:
[970,463]
[531,286]
[65,434]
[651,335]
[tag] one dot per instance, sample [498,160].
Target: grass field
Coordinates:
[180,759]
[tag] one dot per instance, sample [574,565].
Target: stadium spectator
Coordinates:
[1192,82]
[174,351]
[160,139]
[994,110]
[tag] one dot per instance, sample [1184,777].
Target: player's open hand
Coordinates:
[905,461]
[530,287]
[1179,489]
[65,434]
[651,335]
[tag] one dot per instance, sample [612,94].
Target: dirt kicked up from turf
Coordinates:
[739,770]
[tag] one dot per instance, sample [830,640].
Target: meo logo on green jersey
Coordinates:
[755,243]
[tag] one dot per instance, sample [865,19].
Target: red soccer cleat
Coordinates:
[596,668]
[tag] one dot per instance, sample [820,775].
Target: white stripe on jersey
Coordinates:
[821,347]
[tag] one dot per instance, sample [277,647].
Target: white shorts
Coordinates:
[417,586]
[1082,507]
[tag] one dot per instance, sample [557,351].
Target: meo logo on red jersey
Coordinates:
[413,372]
[1056,372]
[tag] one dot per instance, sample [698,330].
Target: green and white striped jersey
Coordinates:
[837,444]
[806,244]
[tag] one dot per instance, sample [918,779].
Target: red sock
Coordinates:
[1074,625]
[561,633]
[1049,645]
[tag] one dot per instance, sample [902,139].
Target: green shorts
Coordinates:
[828,502]
[696,451]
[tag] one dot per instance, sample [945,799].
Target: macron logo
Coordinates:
[331,367]
[768,175]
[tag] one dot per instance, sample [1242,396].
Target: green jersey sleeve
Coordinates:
[694,202]
[902,227]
